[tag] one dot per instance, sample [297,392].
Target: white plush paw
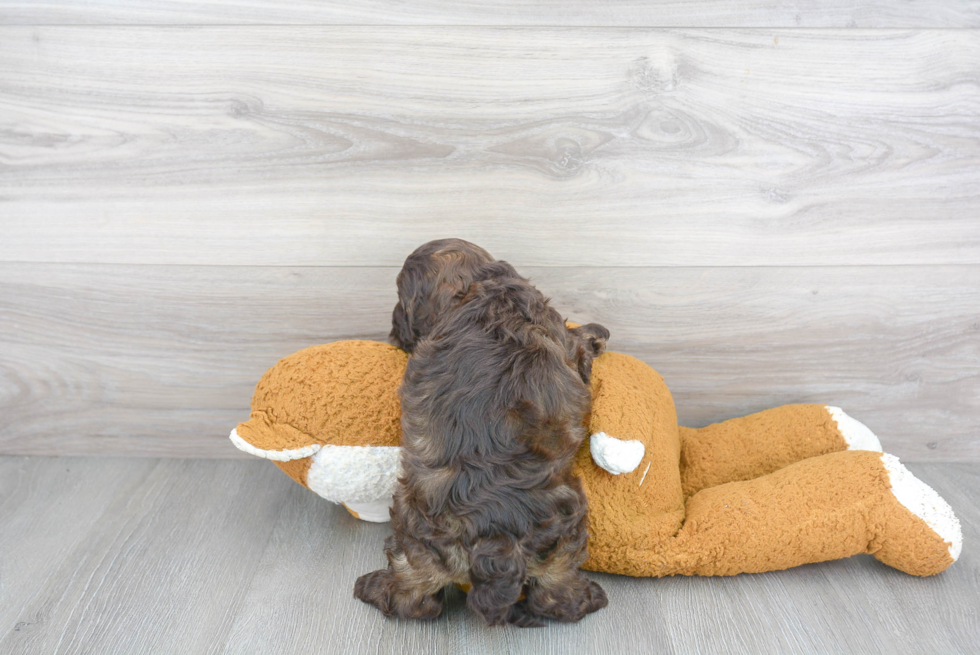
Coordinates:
[376,512]
[923,501]
[855,433]
[615,455]
[355,474]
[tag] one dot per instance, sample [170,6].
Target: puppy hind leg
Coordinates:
[404,589]
[497,571]
[563,593]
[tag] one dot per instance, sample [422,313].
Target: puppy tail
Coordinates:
[497,572]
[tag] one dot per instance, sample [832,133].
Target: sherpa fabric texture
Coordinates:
[360,379]
[776,489]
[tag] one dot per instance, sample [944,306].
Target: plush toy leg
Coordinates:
[820,509]
[750,446]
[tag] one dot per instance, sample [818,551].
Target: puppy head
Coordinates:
[432,280]
[586,342]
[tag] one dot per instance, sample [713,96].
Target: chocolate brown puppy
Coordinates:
[493,403]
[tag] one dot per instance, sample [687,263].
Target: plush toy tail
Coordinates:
[823,508]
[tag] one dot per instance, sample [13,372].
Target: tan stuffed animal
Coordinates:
[784,487]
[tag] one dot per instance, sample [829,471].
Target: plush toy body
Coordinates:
[776,489]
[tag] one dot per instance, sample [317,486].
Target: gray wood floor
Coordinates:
[193,556]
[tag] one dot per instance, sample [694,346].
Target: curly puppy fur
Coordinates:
[493,406]
[431,282]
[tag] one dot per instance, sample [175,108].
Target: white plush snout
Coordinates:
[615,455]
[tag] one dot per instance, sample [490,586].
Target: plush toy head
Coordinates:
[330,417]
[792,485]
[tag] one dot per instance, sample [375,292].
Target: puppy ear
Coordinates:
[589,341]
[585,367]
[595,336]
[402,334]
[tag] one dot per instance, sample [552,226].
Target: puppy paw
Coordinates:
[568,602]
[376,589]
[521,615]
[596,598]
[380,588]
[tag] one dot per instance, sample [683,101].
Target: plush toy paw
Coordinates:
[362,478]
[855,434]
[925,543]
[376,512]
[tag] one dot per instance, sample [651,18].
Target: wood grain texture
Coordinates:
[47,508]
[165,561]
[233,557]
[622,13]
[608,147]
[162,360]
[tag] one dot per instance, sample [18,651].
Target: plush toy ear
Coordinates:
[277,442]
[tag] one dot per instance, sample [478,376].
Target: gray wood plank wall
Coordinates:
[764,212]
[591,13]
